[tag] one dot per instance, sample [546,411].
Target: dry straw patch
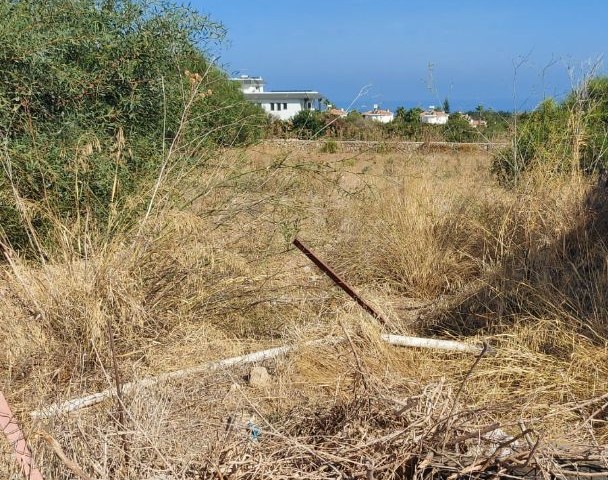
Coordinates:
[429,239]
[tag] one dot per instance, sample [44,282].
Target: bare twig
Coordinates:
[122,427]
[68,462]
[356,355]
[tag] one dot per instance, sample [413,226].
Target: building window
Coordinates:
[309,105]
[278,106]
[284,106]
[272,106]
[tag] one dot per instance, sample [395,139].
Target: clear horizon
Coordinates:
[504,55]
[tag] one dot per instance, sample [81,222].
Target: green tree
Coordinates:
[413,115]
[458,129]
[408,116]
[446,105]
[406,124]
[308,124]
[354,115]
[400,114]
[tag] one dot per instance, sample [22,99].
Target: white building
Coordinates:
[250,84]
[434,117]
[283,104]
[378,115]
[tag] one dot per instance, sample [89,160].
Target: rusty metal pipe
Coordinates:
[326,269]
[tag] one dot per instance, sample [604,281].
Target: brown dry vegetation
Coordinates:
[430,239]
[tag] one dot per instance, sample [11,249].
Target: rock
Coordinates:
[259,377]
[488,444]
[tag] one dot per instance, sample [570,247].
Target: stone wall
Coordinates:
[359,146]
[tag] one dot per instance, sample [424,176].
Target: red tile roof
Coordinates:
[378,112]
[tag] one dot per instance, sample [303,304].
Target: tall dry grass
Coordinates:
[430,239]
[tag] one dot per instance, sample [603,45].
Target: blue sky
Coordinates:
[339,47]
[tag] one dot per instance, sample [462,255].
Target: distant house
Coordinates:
[434,117]
[281,104]
[477,123]
[250,84]
[379,115]
[336,112]
[474,123]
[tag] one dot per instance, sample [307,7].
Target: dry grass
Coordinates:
[430,239]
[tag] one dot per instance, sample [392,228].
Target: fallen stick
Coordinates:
[21,452]
[68,462]
[95,398]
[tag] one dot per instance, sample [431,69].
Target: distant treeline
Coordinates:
[405,126]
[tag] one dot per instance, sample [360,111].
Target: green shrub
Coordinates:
[92,97]
[406,124]
[330,146]
[308,124]
[589,115]
[560,138]
[458,129]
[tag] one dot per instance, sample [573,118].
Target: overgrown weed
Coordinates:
[445,255]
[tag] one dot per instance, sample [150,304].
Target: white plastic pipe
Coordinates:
[397,340]
[89,400]
[449,345]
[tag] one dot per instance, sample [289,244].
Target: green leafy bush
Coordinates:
[92,96]
[560,137]
[330,146]
[308,123]
[406,124]
[591,123]
[458,129]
